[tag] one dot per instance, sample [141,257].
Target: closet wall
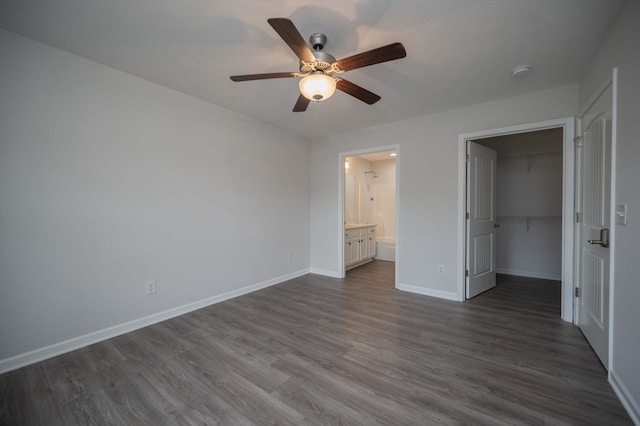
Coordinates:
[529,203]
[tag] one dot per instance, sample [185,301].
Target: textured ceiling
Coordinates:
[459,52]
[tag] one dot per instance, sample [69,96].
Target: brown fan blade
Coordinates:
[301,104]
[249,77]
[381,54]
[290,34]
[357,92]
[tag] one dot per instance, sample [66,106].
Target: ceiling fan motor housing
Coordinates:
[323,62]
[318,40]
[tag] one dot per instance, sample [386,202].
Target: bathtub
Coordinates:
[386,249]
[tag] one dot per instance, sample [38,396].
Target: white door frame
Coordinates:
[342,156]
[568,207]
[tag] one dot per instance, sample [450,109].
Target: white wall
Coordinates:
[380,211]
[357,167]
[107,181]
[428,182]
[620,49]
[384,204]
[529,203]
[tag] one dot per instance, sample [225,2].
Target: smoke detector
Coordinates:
[521,71]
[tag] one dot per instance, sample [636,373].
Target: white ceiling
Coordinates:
[459,52]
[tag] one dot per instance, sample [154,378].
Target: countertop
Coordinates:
[357,225]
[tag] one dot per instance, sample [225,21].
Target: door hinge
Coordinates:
[467,215]
[466,272]
[578,141]
[577,292]
[468,157]
[578,217]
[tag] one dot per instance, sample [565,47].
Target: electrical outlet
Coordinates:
[290,256]
[441,268]
[151,287]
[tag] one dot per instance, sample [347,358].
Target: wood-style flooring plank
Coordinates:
[317,351]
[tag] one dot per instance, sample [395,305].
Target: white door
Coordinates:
[594,156]
[481,217]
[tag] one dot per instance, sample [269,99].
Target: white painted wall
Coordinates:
[380,211]
[534,197]
[529,203]
[384,203]
[620,49]
[428,182]
[107,181]
[357,167]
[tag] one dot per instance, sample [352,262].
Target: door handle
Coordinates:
[604,238]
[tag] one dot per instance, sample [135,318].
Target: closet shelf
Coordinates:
[537,154]
[528,220]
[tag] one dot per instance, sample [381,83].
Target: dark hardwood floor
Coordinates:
[316,350]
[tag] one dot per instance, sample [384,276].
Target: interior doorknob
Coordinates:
[604,238]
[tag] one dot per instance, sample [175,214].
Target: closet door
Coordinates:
[481,219]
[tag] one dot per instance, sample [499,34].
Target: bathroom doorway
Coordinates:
[369,207]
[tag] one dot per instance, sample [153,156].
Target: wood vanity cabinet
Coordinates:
[359,245]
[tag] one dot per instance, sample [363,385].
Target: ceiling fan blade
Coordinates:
[357,92]
[301,104]
[249,77]
[381,54]
[290,34]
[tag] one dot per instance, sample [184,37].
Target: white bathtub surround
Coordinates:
[386,249]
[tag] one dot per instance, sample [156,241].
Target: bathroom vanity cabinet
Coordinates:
[359,245]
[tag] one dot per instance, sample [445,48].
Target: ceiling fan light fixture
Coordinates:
[317,87]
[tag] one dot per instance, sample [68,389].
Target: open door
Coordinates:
[481,219]
[594,162]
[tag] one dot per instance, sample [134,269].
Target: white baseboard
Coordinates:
[428,292]
[389,257]
[529,274]
[325,272]
[631,405]
[56,349]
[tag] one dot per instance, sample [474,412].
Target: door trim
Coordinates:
[341,159]
[568,207]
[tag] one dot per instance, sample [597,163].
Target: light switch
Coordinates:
[621,214]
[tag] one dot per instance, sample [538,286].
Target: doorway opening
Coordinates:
[529,203]
[369,212]
[530,230]
[528,210]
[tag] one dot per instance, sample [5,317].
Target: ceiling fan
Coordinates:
[317,68]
